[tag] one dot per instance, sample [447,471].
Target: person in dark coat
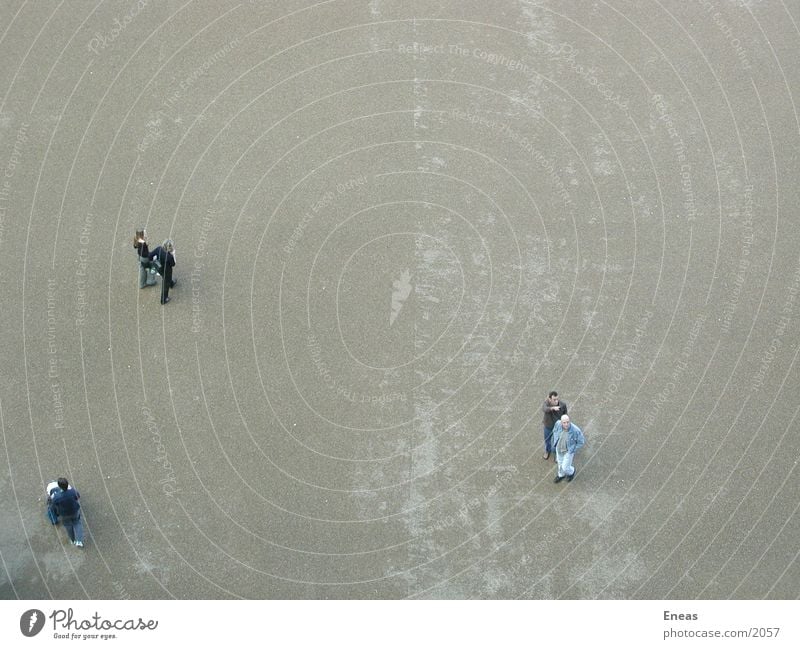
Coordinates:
[553,409]
[164,259]
[65,506]
[147,276]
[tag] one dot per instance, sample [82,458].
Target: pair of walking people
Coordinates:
[160,261]
[63,504]
[562,438]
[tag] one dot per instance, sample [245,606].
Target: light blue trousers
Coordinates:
[564,463]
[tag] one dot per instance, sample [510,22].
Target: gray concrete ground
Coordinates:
[398,225]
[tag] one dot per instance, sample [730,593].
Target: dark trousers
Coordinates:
[166,284]
[74,527]
[548,440]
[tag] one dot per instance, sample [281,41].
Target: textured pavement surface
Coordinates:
[398,226]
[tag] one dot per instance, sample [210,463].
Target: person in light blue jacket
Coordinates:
[567,439]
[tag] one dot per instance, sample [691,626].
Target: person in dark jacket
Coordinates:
[164,259]
[147,276]
[553,409]
[65,505]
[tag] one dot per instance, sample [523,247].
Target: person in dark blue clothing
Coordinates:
[164,259]
[65,505]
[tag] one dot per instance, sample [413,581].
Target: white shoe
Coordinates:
[78,544]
